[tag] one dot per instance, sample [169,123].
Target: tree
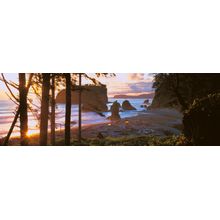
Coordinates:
[44,109]
[53,109]
[80,109]
[16,100]
[23,109]
[68,109]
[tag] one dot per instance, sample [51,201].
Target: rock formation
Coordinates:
[146,101]
[145,104]
[126,105]
[94,98]
[164,99]
[115,111]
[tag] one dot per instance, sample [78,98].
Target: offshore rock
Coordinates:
[126,105]
[115,111]
[94,98]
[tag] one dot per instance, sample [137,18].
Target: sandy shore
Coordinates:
[158,122]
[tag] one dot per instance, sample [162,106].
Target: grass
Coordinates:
[147,140]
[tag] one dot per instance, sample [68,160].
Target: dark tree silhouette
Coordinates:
[15,100]
[181,89]
[44,109]
[80,109]
[23,109]
[68,109]
[53,109]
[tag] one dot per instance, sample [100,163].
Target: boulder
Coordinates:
[147,102]
[126,105]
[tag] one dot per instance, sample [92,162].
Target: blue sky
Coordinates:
[122,83]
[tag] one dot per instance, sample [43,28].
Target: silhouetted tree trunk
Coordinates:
[53,109]
[23,109]
[44,109]
[6,139]
[80,109]
[68,109]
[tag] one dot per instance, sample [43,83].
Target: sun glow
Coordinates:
[30,133]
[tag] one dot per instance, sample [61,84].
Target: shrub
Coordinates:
[172,140]
[202,121]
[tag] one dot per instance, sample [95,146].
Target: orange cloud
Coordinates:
[136,76]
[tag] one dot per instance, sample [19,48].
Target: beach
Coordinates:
[155,122]
[159,122]
[8,108]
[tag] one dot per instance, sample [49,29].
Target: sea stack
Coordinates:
[94,98]
[115,111]
[126,105]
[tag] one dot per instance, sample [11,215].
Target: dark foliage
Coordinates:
[171,140]
[202,121]
[181,89]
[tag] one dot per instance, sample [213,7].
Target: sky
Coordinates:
[129,83]
[122,83]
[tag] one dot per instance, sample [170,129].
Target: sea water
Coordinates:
[8,109]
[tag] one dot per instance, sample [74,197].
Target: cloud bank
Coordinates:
[130,83]
[136,76]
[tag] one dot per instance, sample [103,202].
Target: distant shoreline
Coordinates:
[129,97]
[140,96]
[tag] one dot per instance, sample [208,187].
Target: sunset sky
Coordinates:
[122,83]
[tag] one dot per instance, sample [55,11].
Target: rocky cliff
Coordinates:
[94,98]
[164,99]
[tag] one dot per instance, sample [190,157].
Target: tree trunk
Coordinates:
[68,109]
[80,109]
[6,139]
[44,109]
[23,109]
[53,109]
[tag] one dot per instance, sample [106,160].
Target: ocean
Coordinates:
[7,110]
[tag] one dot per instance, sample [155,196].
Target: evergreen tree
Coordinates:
[23,109]
[68,109]
[53,110]
[44,109]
